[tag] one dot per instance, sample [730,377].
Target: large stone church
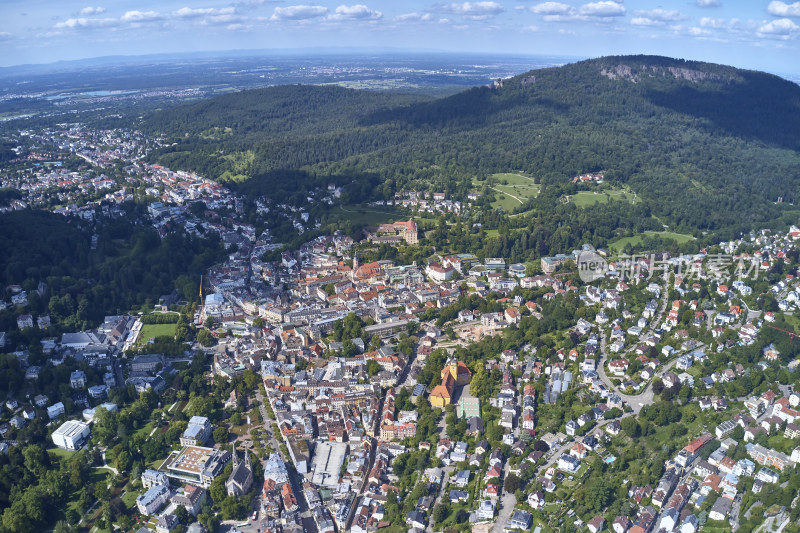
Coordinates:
[241,478]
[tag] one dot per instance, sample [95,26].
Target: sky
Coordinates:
[759,34]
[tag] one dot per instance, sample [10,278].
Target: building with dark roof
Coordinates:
[241,478]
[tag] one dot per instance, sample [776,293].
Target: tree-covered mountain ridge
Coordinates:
[703,145]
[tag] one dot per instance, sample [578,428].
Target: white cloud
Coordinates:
[662,15]
[188,12]
[552,8]
[5,36]
[208,16]
[783,28]
[707,3]
[202,16]
[412,17]
[602,9]
[698,32]
[717,24]
[356,12]
[141,16]
[299,12]
[89,10]
[782,9]
[644,21]
[531,29]
[472,10]
[82,22]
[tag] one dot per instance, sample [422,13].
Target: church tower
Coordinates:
[454,369]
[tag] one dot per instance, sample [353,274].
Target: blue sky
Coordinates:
[759,34]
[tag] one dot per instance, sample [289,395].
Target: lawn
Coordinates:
[145,430]
[590,198]
[60,453]
[513,190]
[793,321]
[129,498]
[150,331]
[637,239]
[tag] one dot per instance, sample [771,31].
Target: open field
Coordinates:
[60,453]
[792,320]
[145,430]
[155,330]
[637,239]
[590,198]
[513,190]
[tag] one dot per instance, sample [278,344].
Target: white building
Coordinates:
[439,273]
[71,435]
[152,500]
[152,477]
[197,432]
[77,380]
[568,463]
[55,410]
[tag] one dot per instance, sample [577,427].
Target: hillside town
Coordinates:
[462,393]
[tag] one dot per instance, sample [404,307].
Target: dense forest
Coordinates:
[130,268]
[704,146]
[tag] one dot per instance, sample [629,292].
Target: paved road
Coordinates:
[646,397]
[303,509]
[507,503]
[402,380]
[445,477]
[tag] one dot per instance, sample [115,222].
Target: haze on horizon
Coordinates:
[756,34]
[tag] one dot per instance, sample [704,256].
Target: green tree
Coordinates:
[36,460]
[123,461]
[512,483]
[221,435]
[598,494]
[440,513]
[373,367]
[481,385]
[630,426]
[182,514]
[250,379]
[205,338]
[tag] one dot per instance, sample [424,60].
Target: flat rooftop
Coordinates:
[328,459]
[71,428]
[191,459]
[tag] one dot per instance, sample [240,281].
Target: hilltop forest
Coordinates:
[706,148]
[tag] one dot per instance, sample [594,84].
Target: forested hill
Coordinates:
[130,267]
[704,146]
